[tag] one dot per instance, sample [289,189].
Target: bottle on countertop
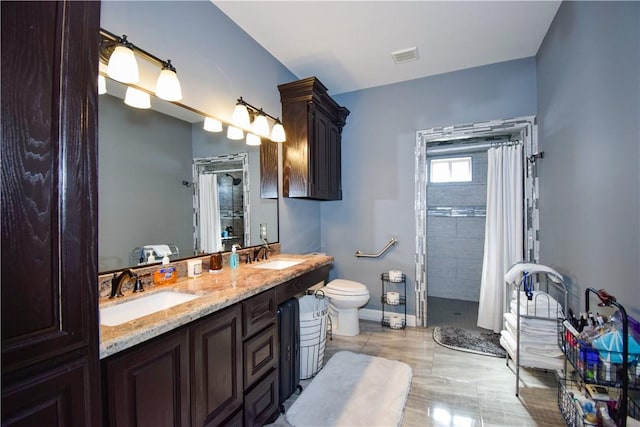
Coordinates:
[234,258]
[215,262]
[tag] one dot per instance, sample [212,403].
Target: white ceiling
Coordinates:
[348,44]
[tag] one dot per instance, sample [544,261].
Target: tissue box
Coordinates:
[194,267]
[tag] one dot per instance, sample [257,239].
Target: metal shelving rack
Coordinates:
[402,300]
[592,371]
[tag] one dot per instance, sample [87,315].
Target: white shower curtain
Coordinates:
[504,231]
[209,221]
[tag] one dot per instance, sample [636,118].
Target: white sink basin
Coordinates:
[278,264]
[143,306]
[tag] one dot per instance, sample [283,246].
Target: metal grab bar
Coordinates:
[392,242]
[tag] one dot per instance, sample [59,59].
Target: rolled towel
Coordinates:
[517,269]
[159,250]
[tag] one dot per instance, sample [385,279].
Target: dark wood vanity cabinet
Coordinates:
[149,385]
[207,373]
[50,366]
[312,153]
[188,377]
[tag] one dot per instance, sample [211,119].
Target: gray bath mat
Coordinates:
[469,340]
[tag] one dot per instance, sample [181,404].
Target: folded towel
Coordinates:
[517,269]
[541,305]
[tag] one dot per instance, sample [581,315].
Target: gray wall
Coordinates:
[141,152]
[378,160]
[588,110]
[455,244]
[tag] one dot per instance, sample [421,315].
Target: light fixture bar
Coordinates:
[257,110]
[112,40]
[258,126]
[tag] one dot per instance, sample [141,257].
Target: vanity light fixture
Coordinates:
[260,125]
[277,132]
[137,98]
[234,133]
[122,65]
[168,85]
[212,125]
[240,116]
[243,113]
[120,56]
[253,139]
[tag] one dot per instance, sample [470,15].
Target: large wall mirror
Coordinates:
[150,161]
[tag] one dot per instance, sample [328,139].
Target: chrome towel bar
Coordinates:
[391,243]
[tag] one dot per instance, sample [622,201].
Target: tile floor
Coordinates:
[453,388]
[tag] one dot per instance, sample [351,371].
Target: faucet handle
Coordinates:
[138,285]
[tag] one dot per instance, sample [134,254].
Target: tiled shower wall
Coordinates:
[455,237]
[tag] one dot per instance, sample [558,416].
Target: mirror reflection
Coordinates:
[150,163]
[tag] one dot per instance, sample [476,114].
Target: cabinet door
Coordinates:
[325,167]
[55,398]
[49,206]
[217,367]
[149,385]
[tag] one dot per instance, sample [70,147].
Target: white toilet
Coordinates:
[345,297]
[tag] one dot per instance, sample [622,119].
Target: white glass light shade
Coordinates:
[277,133]
[168,86]
[234,133]
[253,139]
[137,98]
[123,66]
[102,85]
[240,116]
[212,125]
[260,126]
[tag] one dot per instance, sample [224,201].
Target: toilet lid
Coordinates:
[348,287]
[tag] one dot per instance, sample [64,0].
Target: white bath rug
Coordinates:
[354,390]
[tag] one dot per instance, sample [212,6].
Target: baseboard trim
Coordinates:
[376,316]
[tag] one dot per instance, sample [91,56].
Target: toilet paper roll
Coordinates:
[395,321]
[393,298]
[395,275]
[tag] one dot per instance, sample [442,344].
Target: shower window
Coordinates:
[455,169]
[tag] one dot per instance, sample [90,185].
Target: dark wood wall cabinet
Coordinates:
[312,153]
[50,366]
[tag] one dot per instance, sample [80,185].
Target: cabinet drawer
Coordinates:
[260,355]
[258,312]
[261,403]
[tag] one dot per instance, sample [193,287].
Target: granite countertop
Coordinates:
[215,290]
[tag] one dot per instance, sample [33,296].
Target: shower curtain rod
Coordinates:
[470,147]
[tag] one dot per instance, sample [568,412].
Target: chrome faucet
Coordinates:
[118,280]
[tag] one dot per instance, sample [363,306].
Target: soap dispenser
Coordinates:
[234,259]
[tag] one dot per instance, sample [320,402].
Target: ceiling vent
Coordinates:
[405,55]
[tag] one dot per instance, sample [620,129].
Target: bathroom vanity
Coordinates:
[210,361]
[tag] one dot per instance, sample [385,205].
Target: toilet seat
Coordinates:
[342,287]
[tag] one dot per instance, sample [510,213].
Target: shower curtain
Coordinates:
[504,231]
[209,221]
